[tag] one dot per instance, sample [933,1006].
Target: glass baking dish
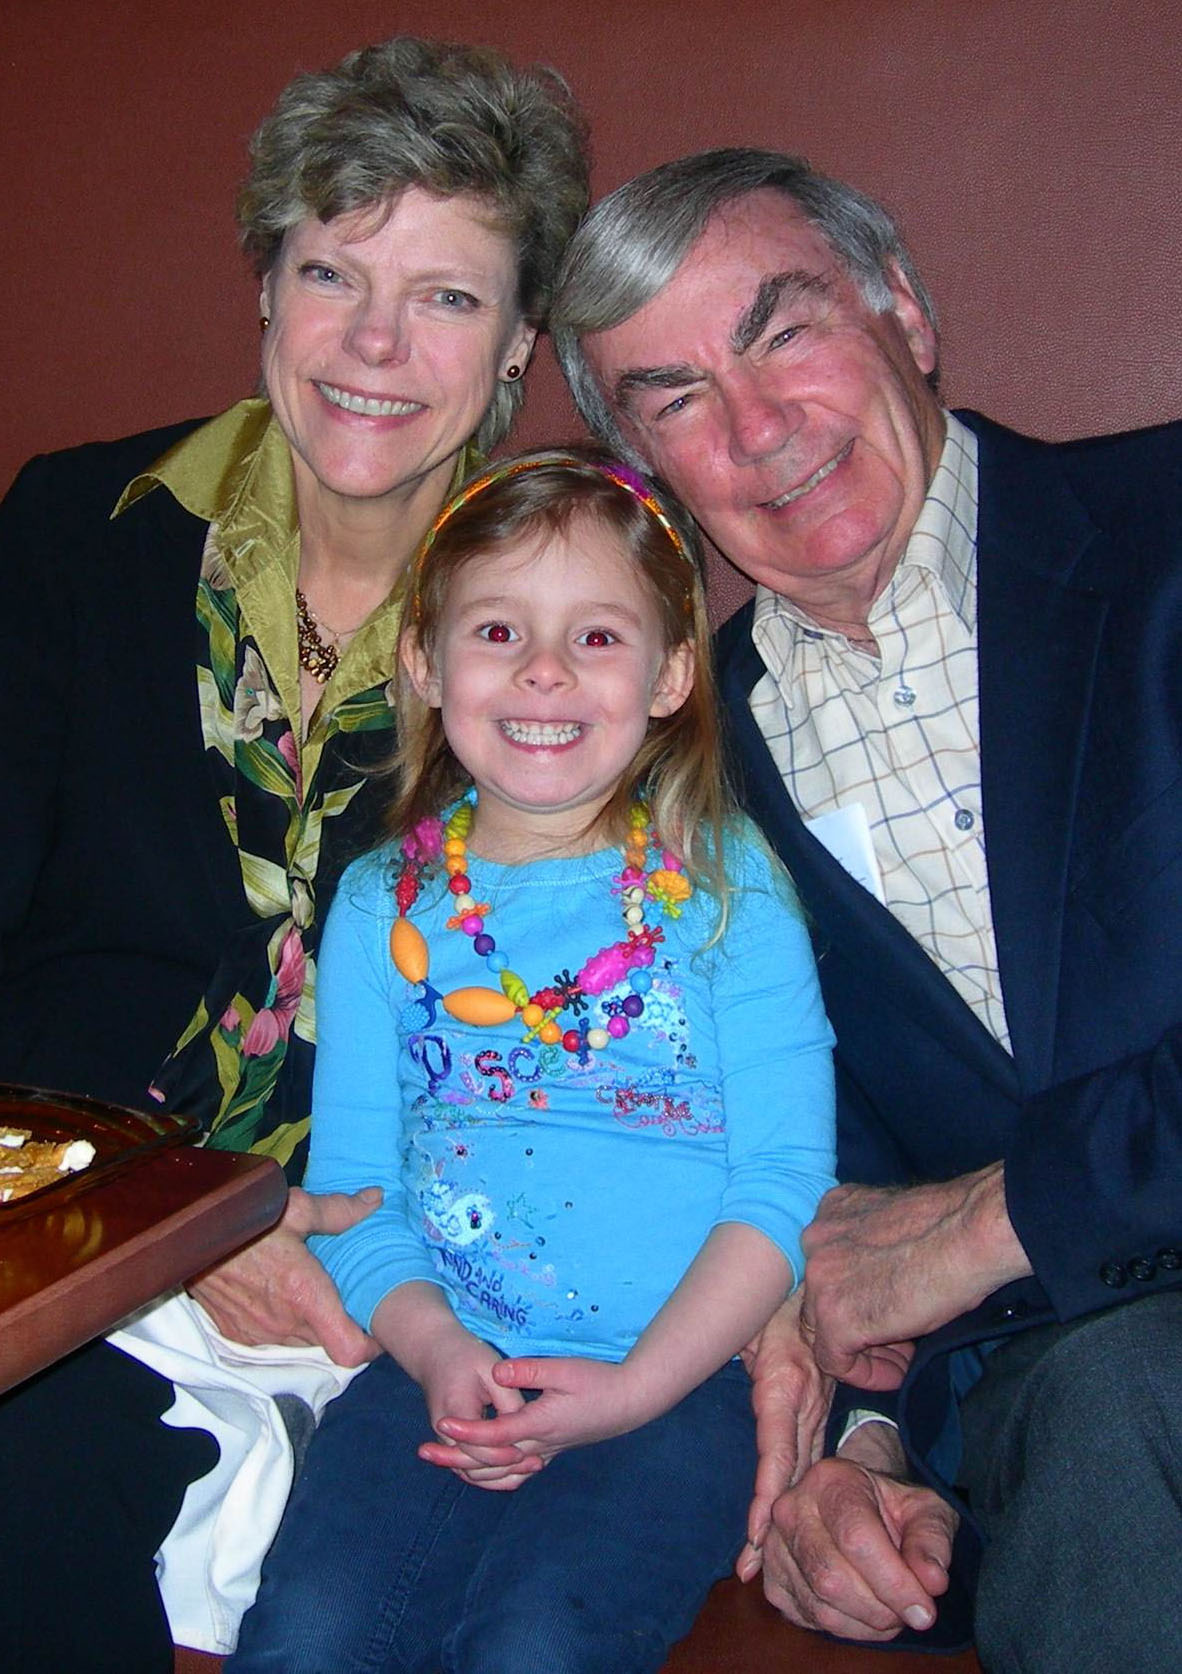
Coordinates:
[119,1136]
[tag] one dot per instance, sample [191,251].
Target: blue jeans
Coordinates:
[595,1566]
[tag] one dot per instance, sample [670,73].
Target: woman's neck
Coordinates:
[362,544]
[353,555]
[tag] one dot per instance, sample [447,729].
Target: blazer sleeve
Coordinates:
[38,626]
[1094,1181]
[1094,1162]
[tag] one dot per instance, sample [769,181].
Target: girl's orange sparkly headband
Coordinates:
[624,476]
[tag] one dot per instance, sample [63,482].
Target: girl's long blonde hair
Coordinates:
[678,766]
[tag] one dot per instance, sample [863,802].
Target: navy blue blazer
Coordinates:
[1080,663]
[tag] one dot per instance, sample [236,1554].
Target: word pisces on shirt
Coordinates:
[476,1108]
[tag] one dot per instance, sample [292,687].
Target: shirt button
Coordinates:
[904,697]
[964,820]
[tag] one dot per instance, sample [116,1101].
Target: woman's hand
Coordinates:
[581,1401]
[275,1290]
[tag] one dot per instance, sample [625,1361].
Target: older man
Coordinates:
[956,704]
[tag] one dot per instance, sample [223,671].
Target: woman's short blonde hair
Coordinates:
[445,118]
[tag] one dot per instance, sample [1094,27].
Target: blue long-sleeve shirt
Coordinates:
[558,1203]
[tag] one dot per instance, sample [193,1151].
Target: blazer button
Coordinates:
[1169,1260]
[1140,1267]
[1113,1273]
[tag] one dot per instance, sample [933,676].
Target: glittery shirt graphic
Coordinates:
[559,1201]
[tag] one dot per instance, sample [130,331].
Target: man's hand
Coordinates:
[791,1399]
[855,1551]
[887,1265]
[275,1291]
[582,1401]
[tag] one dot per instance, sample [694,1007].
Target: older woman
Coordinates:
[198,635]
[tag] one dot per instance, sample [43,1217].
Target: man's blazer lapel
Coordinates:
[1039,639]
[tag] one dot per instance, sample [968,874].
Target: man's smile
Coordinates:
[812,482]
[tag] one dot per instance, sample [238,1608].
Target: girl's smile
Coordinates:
[548,665]
[544,735]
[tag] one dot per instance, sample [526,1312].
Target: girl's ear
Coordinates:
[675,681]
[421,671]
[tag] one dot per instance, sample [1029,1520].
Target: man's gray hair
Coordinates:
[633,242]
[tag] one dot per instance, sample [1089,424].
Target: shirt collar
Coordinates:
[943,542]
[234,472]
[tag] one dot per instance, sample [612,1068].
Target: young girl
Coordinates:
[569,1020]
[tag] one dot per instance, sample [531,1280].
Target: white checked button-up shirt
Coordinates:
[899,732]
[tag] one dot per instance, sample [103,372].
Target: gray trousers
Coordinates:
[1073,1449]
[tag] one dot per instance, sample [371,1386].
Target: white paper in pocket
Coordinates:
[845,832]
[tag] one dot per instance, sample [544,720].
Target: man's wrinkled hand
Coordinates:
[275,1290]
[887,1265]
[856,1552]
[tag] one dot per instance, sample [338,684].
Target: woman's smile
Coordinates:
[369,406]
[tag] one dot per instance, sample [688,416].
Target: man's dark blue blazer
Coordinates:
[1080,661]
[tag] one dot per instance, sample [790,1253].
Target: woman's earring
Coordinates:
[264,321]
[512,373]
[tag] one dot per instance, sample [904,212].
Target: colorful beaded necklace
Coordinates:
[445,841]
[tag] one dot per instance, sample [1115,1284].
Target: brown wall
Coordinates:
[1030,149]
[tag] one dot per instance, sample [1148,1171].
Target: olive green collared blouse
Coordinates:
[243,1065]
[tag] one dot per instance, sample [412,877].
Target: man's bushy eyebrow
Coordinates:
[769,296]
[771,293]
[674,376]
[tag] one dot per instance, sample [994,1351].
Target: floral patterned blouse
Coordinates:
[243,1064]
